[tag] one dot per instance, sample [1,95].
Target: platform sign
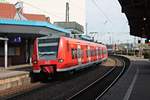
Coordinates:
[15,39]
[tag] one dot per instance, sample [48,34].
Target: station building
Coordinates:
[18,31]
[75,28]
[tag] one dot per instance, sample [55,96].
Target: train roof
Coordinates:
[75,40]
[83,41]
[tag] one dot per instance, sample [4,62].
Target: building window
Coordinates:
[12,51]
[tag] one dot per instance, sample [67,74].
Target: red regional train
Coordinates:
[51,55]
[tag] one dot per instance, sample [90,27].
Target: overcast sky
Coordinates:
[106,14]
[102,16]
[106,18]
[55,9]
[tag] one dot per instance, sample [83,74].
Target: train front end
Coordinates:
[44,58]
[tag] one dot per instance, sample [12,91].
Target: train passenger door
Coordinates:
[79,57]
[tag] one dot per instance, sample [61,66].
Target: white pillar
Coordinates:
[6,55]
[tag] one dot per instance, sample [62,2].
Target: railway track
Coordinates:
[98,88]
[74,92]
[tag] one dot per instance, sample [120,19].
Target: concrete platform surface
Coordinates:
[134,84]
[14,76]
[11,73]
[134,58]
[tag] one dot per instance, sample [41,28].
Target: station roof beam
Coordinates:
[138,15]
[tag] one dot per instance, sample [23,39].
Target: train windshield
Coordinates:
[48,48]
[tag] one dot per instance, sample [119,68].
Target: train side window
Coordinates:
[91,52]
[75,50]
[82,53]
[99,52]
[73,56]
[78,53]
[74,53]
[104,51]
[95,52]
[86,53]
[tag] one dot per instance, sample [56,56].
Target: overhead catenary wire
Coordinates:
[101,11]
[116,3]
[33,6]
[52,13]
[109,19]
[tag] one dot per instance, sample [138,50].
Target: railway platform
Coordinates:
[134,84]
[14,76]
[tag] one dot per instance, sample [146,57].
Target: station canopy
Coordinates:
[26,29]
[138,15]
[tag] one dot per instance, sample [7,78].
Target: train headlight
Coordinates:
[60,60]
[35,62]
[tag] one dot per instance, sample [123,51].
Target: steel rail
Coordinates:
[122,71]
[93,83]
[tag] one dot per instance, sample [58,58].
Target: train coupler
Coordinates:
[48,69]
